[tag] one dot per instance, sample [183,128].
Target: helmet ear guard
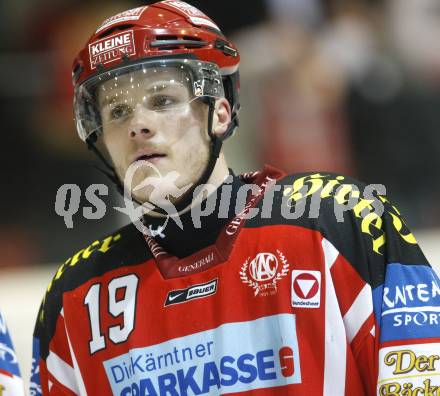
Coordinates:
[230,86]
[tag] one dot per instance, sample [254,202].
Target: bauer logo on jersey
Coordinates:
[111,48]
[408,304]
[264,271]
[191,293]
[306,289]
[234,357]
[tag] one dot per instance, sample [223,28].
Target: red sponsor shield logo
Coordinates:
[306,285]
[306,289]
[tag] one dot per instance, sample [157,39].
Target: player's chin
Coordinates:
[142,198]
[138,171]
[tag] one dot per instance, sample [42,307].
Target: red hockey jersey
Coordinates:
[332,299]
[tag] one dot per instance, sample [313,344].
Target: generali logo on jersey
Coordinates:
[111,48]
[306,289]
[264,271]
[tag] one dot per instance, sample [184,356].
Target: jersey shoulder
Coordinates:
[310,199]
[124,247]
[355,217]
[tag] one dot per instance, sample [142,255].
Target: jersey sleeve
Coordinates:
[11,383]
[406,305]
[53,367]
[388,294]
[55,370]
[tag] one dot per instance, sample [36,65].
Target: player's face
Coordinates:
[151,120]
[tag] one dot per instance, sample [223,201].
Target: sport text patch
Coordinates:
[408,304]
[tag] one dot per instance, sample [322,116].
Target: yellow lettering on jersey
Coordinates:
[89,250]
[315,183]
[83,254]
[328,187]
[2,388]
[407,389]
[345,192]
[106,244]
[76,257]
[361,205]
[395,358]
[399,224]
[58,274]
[412,361]
[371,223]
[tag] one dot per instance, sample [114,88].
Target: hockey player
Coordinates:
[262,284]
[11,383]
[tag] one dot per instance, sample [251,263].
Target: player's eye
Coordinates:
[120,111]
[162,102]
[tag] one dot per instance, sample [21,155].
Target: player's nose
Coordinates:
[142,124]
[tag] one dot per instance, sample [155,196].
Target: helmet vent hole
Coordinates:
[191,38]
[166,37]
[114,29]
[168,42]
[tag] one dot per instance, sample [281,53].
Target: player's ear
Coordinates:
[222,116]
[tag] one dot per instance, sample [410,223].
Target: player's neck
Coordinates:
[184,235]
[217,178]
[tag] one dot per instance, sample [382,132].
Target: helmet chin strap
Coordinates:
[214,152]
[110,171]
[187,198]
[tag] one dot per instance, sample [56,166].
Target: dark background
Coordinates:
[348,86]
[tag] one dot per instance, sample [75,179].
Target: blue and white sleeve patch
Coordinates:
[8,358]
[10,379]
[35,382]
[407,305]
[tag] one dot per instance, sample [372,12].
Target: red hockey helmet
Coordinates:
[167,33]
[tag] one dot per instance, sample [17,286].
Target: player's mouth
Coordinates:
[150,156]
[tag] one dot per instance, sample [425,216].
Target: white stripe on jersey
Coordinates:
[330,253]
[359,312]
[79,379]
[335,338]
[63,372]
